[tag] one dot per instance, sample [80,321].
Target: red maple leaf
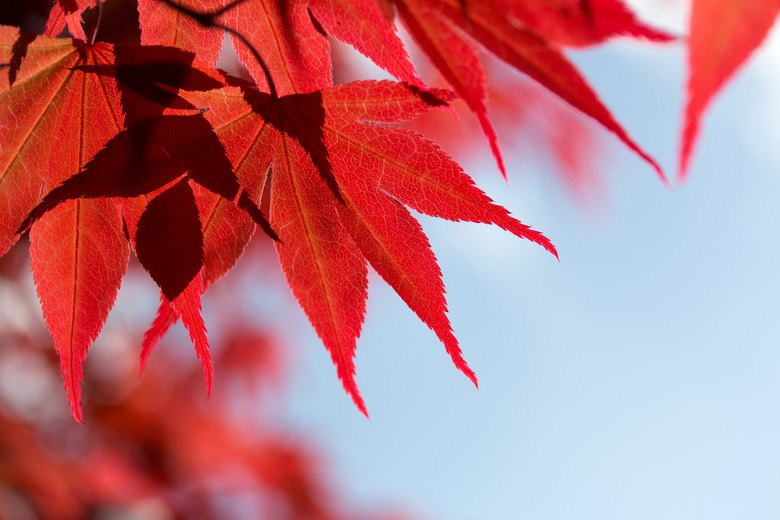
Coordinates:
[67,13]
[331,226]
[47,132]
[338,190]
[332,213]
[271,37]
[723,34]
[508,30]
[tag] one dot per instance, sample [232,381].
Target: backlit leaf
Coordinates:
[724,33]
[333,181]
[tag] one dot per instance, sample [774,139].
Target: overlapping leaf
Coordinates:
[67,13]
[65,136]
[277,34]
[52,119]
[338,191]
[498,25]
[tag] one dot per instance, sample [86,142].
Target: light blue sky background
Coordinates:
[639,378]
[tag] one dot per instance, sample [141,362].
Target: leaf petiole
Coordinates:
[208,19]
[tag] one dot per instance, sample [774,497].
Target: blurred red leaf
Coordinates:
[579,22]
[723,34]
[499,26]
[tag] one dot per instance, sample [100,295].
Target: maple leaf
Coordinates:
[338,190]
[68,13]
[272,38]
[723,34]
[47,132]
[437,27]
[105,179]
[579,22]
[163,24]
[177,164]
[362,24]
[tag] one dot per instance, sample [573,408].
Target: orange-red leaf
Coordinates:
[52,119]
[580,22]
[68,163]
[79,256]
[162,24]
[724,33]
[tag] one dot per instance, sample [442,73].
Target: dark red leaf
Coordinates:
[169,241]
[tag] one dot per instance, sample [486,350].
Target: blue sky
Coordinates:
[638,378]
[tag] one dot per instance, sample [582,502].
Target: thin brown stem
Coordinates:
[209,19]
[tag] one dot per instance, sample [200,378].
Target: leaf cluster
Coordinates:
[108,149]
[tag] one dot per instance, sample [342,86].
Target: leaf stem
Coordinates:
[208,19]
[94,29]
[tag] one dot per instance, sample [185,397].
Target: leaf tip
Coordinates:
[471,375]
[688,140]
[78,414]
[453,349]
[74,399]
[351,387]
[354,393]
